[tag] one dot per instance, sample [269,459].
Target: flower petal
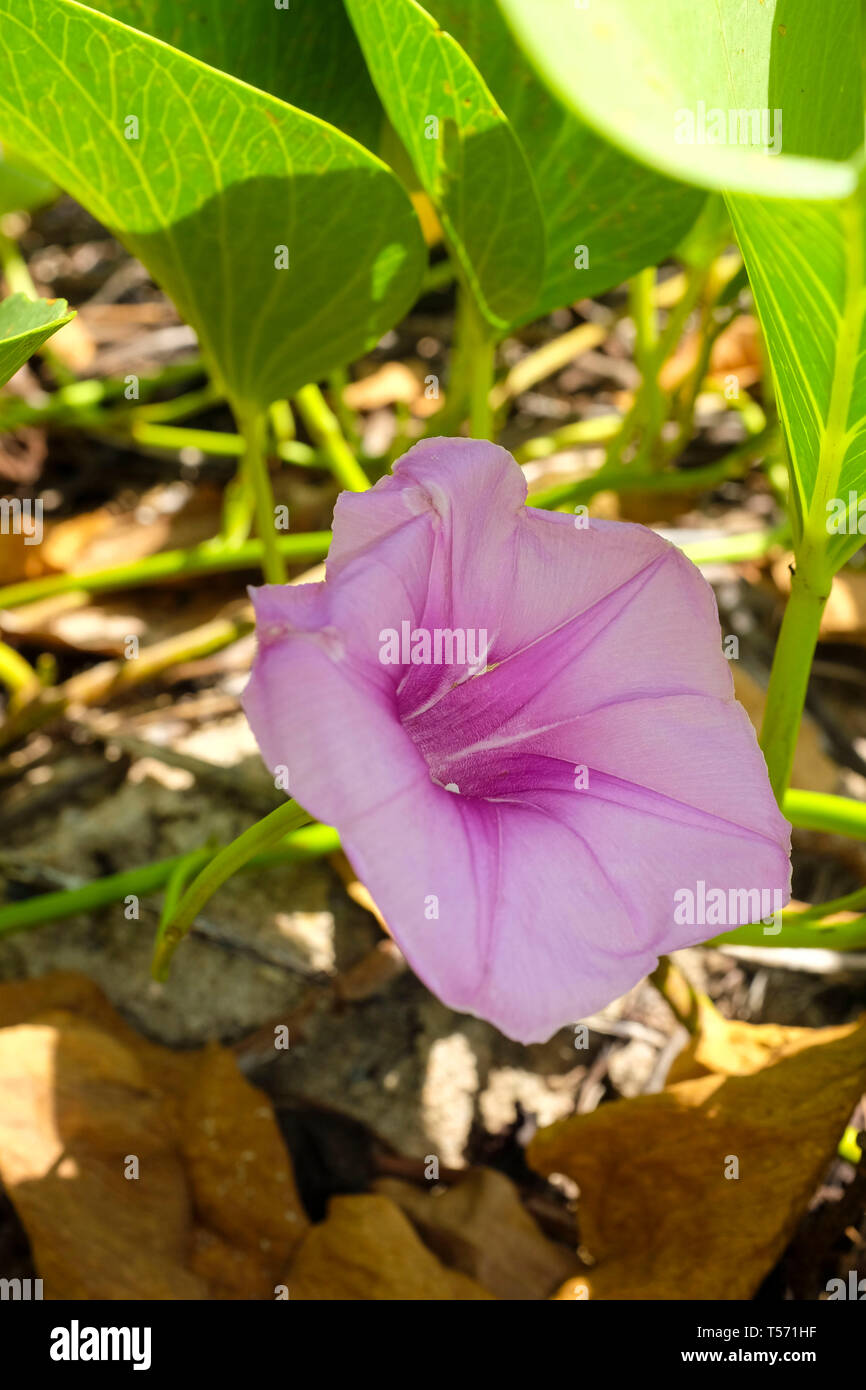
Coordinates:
[517,890]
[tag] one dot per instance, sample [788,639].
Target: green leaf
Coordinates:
[307,54]
[648,74]
[651,73]
[222,184]
[591,194]
[807,265]
[463,150]
[22,187]
[24,326]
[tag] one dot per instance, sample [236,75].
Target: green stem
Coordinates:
[483,364]
[734,549]
[696,283]
[14,267]
[629,478]
[253,427]
[820,811]
[282,423]
[470,373]
[80,404]
[324,430]
[799,931]
[50,907]
[476,359]
[17,674]
[686,397]
[264,835]
[178,408]
[642,291]
[239,509]
[838,815]
[595,430]
[173,438]
[208,558]
[311,842]
[647,410]
[179,879]
[542,362]
[789,679]
[624,435]
[849,902]
[177,882]
[338,380]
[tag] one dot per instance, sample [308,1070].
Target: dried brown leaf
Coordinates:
[729,1047]
[77,1108]
[214,1212]
[367,1249]
[481,1227]
[657,1212]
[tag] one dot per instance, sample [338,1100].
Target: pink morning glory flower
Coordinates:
[523,727]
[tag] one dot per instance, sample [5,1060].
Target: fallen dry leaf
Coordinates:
[481,1227]
[19,559]
[657,1212]
[74,345]
[736,352]
[213,1213]
[366,1249]
[70,622]
[76,1109]
[728,1047]
[392,384]
[166,517]
[241,1176]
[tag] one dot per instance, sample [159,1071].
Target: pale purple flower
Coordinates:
[528,827]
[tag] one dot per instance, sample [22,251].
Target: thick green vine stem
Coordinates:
[651,400]
[808,810]
[264,835]
[325,431]
[789,678]
[483,365]
[253,427]
[470,376]
[838,815]
[810,935]
[208,558]
[311,842]
[17,674]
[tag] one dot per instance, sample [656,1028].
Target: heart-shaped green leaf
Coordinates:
[288,247]
[24,326]
[605,215]
[681,85]
[463,150]
[306,53]
[807,265]
[700,89]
